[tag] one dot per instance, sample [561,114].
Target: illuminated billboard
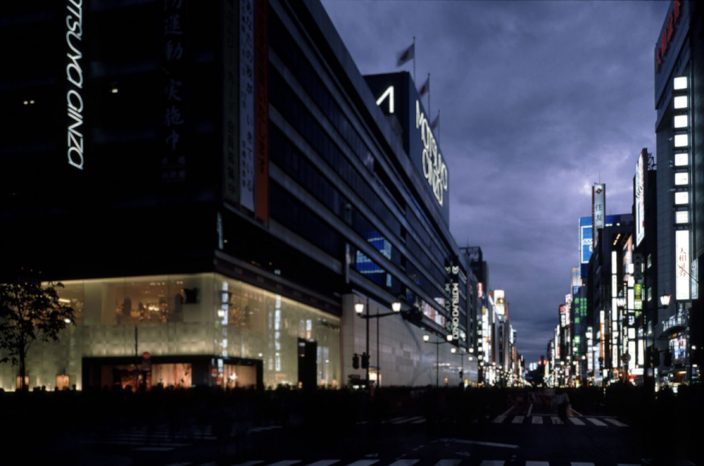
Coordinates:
[585,239]
[598,205]
[682,264]
[500,302]
[74,82]
[397,97]
[639,194]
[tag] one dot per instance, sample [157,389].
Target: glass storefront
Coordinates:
[200,314]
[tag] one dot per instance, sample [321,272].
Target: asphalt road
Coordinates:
[520,435]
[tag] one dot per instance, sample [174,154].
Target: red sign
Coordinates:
[667,33]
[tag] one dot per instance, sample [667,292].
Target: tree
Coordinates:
[30,311]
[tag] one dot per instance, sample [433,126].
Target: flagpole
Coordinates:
[437,128]
[429,111]
[414,58]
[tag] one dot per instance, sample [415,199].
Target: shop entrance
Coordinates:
[307,363]
[133,373]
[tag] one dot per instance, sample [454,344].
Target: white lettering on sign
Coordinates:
[387,95]
[74,76]
[434,168]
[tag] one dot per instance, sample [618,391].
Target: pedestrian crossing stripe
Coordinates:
[615,422]
[324,462]
[595,421]
[554,420]
[408,462]
[400,462]
[363,463]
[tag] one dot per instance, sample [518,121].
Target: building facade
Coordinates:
[218,190]
[678,102]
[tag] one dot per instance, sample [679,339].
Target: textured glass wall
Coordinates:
[200,314]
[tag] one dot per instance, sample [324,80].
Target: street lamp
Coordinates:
[359,309]
[426,339]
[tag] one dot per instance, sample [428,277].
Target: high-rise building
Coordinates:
[679,74]
[218,189]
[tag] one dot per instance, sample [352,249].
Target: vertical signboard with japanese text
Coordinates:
[682,265]
[639,195]
[230,82]
[173,162]
[598,210]
[247,85]
[261,127]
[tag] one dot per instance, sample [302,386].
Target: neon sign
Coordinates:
[667,33]
[434,168]
[74,76]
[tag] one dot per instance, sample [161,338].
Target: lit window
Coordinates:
[682,197]
[681,179]
[682,216]
[680,82]
[681,159]
[680,101]
[681,140]
[681,121]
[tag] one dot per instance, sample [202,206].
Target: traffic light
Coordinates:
[355,361]
[365,361]
[414,315]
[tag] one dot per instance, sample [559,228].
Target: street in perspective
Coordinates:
[351,233]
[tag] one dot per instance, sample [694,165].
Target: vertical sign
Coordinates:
[638,192]
[173,163]
[682,265]
[452,298]
[261,168]
[74,80]
[230,130]
[598,210]
[681,98]
[585,239]
[246,107]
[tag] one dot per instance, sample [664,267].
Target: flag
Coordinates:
[406,55]
[434,124]
[424,88]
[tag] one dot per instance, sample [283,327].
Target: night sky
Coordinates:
[537,101]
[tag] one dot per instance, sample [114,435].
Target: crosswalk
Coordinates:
[161,438]
[400,420]
[401,462]
[580,421]
[158,439]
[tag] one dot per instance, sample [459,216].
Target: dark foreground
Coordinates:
[399,426]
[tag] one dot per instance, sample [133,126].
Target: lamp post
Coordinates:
[426,339]
[362,310]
